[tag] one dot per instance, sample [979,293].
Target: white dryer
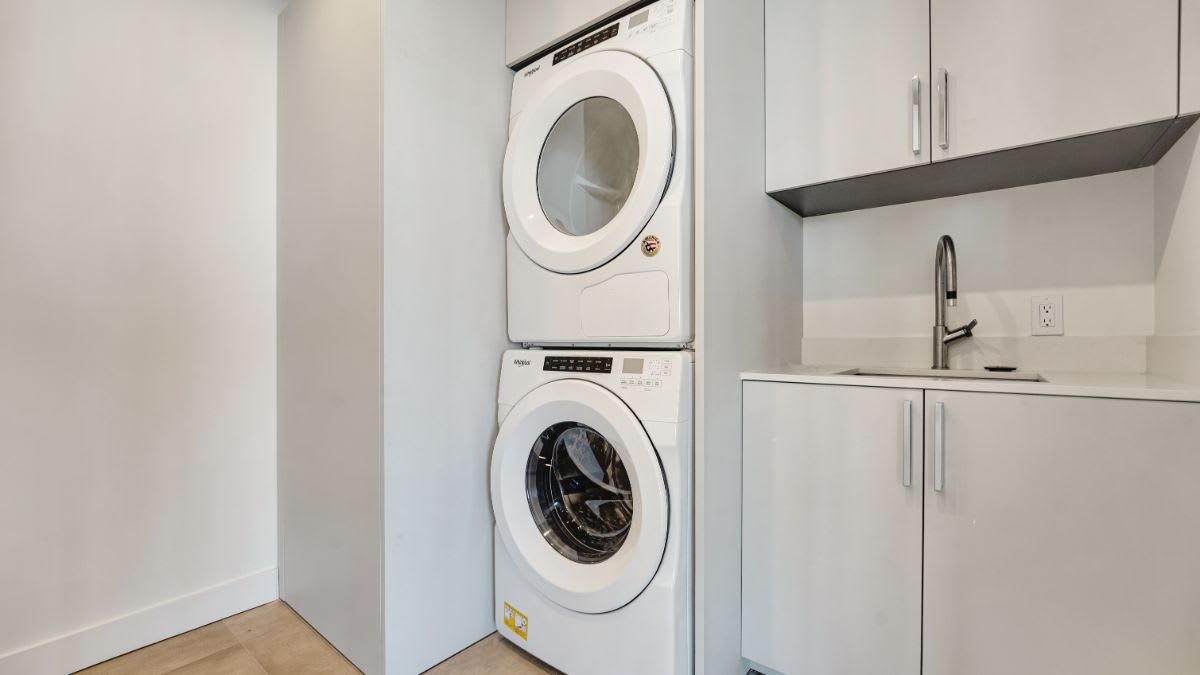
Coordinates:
[591,489]
[597,187]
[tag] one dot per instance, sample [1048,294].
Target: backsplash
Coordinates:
[868,277]
[1105,354]
[1175,349]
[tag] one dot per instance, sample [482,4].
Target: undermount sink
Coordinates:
[945,374]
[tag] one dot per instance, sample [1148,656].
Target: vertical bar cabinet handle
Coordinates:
[943,83]
[916,115]
[939,448]
[908,443]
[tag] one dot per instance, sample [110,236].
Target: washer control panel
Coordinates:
[578,364]
[644,372]
[652,19]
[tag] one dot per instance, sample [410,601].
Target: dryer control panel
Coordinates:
[651,24]
[657,28]
[586,43]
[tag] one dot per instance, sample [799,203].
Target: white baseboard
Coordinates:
[88,646]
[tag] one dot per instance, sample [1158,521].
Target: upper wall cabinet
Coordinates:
[1189,58]
[1020,72]
[847,88]
[1007,93]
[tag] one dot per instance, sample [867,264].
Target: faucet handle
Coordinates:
[960,333]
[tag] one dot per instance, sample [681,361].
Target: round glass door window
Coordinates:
[579,492]
[588,165]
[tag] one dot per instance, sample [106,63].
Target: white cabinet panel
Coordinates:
[1027,71]
[533,25]
[839,88]
[1189,57]
[831,572]
[1065,540]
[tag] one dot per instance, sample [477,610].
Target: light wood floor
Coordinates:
[492,655]
[274,640]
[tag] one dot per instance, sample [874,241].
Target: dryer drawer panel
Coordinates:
[627,305]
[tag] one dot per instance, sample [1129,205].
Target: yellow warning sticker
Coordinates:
[516,621]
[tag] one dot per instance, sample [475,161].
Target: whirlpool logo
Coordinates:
[522,362]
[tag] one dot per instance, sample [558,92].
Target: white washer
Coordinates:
[591,488]
[597,187]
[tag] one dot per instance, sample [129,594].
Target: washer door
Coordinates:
[588,162]
[579,496]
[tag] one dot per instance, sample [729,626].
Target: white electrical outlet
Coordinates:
[1046,315]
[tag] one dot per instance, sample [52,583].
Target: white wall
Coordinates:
[1175,349]
[445,127]
[869,274]
[330,303]
[748,303]
[137,355]
[533,25]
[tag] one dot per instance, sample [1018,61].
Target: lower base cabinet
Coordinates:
[1058,534]
[831,568]
[1066,538]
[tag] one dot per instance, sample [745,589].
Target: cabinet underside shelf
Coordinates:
[1106,152]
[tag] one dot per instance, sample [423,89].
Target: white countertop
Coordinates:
[1094,385]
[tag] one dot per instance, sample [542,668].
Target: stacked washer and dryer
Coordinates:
[592,468]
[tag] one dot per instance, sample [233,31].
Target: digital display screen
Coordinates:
[633,366]
[639,19]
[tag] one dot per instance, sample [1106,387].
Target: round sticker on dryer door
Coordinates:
[651,246]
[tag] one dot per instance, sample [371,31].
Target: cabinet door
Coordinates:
[1066,536]
[1189,57]
[840,88]
[1028,71]
[831,566]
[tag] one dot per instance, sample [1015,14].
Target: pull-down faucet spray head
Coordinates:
[947,264]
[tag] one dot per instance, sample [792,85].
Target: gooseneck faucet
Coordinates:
[945,293]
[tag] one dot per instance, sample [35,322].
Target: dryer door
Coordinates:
[588,161]
[579,496]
